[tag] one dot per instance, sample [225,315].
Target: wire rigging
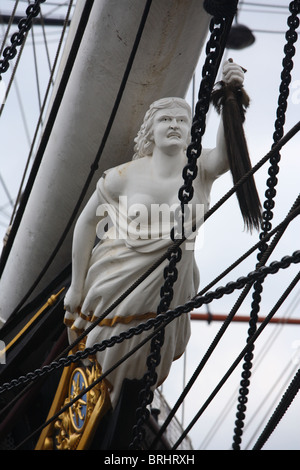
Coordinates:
[287,66]
[220,334]
[282,407]
[275,400]
[239,358]
[161,321]
[94,166]
[46,133]
[9,26]
[39,121]
[259,359]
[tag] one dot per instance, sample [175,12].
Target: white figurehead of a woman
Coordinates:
[103,270]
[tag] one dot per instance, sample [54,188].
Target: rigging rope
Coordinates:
[240,357]
[260,357]
[160,322]
[47,131]
[11,19]
[289,50]
[285,402]
[279,394]
[293,213]
[19,37]
[94,165]
[39,121]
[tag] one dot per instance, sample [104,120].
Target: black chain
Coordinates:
[166,318]
[153,360]
[289,51]
[266,226]
[213,52]
[18,38]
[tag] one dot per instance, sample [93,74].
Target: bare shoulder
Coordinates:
[119,177]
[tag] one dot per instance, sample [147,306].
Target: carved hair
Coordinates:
[144,139]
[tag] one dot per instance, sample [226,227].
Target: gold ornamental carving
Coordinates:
[75,426]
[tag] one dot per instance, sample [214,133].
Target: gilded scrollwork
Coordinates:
[72,424]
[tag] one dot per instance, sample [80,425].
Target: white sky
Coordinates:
[224,238]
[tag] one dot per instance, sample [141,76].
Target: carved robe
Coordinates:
[118,261]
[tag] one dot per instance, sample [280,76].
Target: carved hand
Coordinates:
[233,73]
[73,299]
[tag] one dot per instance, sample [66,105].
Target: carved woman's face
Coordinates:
[171,129]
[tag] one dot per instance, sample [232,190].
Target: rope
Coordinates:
[18,38]
[285,402]
[11,80]
[11,19]
[239,358]
[284,223]
[50,82]
[160,323]
[293,213]
[289,50]
[258,411]
[94,165]
[165,318]
[46,133]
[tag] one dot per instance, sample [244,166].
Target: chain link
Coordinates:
[185,195]
[18,38]
[167,317]
[269,204]
[287,62]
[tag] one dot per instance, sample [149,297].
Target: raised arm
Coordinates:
[215,161]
